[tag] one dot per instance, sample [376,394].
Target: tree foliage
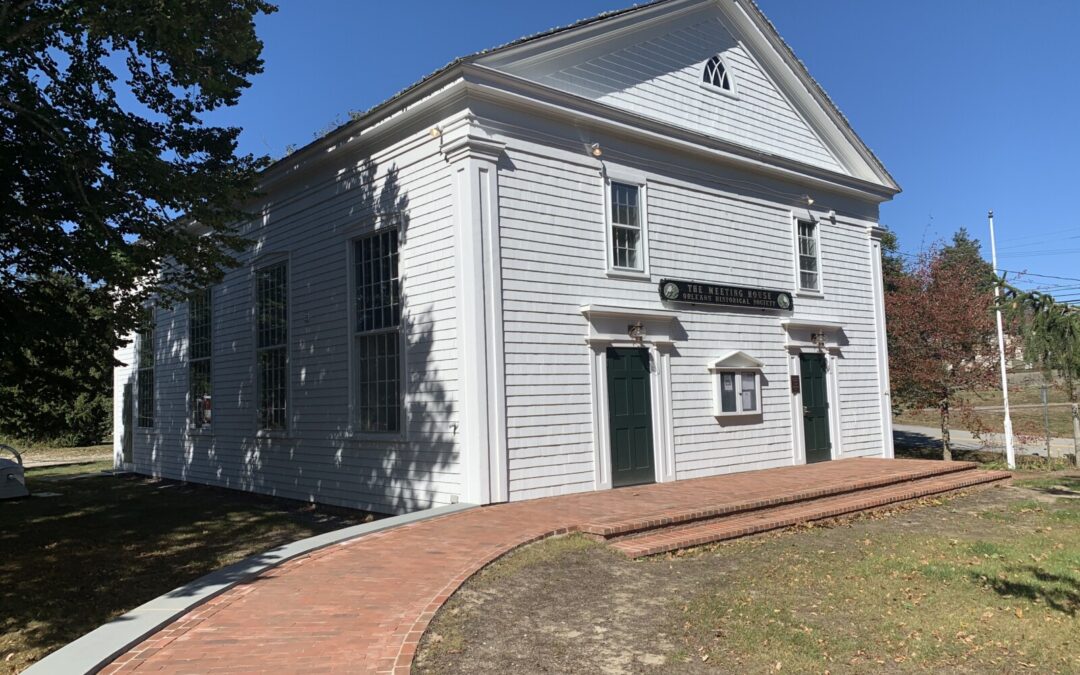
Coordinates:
[59,389]
[942,336]
[104,146]
[1049,330]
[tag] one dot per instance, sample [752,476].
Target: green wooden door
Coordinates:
[815,396]
[630,413]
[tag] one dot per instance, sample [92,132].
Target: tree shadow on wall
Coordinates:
[323,457]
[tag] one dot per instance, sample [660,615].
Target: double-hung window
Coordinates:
[377,333]
[627,227]
[272,345]
[200,352]
[809,256]
[144,383]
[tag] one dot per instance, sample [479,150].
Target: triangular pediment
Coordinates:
[736,360]
[652,62]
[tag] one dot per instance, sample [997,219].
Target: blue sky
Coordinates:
[971,104]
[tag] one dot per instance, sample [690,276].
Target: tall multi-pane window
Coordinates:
[626,253]
[377,335]
[809,263]
[200,351]
[144,382]
[272,345]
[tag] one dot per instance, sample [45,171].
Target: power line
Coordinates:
[1041,276]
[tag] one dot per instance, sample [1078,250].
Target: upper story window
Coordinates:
[627,227]
[716,74]
[144,383]
[272,345]
[377,334]
[200,353]
[809,256]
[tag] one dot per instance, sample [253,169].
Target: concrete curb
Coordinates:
[101,646]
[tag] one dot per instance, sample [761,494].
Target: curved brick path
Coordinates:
[361,606]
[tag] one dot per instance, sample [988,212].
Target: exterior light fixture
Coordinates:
[595,150]
[636,332]
[435,132]
[818,339]
[809,200]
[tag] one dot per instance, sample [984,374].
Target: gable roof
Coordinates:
[755,13]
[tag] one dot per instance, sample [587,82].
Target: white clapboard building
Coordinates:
[642,248]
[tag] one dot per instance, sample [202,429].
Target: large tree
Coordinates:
[104,146]
[59,388]
[941,337]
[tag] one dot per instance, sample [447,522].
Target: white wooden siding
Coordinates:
[657,73]
[310,221]
[552,229]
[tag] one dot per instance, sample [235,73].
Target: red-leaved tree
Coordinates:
[942,337]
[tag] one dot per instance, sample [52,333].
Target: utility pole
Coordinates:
[1010,453]
[1046,420]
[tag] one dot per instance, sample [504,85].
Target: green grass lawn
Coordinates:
[46,452]
[975,600]
[987,582]
[108,544]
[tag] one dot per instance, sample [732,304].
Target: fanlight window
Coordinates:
[716,74]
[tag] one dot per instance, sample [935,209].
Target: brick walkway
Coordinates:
[361,606]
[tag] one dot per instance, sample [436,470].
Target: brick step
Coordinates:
[763,520]
[620,527]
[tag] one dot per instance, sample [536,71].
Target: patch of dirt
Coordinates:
[573,605]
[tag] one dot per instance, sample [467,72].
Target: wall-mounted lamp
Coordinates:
[595,150]
[435,132]
[636,332]
[818,339]
[809,200]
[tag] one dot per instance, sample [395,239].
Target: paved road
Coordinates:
[904,434]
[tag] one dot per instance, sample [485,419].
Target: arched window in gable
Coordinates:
[716,74]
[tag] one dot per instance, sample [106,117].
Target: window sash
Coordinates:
[378,381]
[271,306]
[729,402]
[377,333]
[200,386]
[272,350]
[377,282]
[748,393]
[145,386]
[809,275]
[200,353]
[273,388]
[626,230]
[145,378]
[739,392]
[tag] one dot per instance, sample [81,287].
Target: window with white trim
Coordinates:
[736,384]
[377,333]
[737,393]
[809,256]
[200,352]
[272,346]
[627,227]
[144,381]
[716,74]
